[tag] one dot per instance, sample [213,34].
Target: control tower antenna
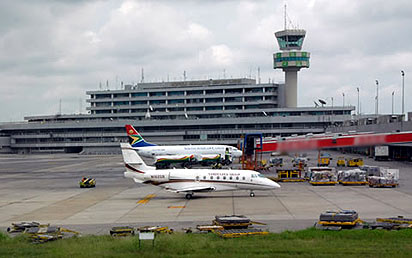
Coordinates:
[142,79]
[285,16]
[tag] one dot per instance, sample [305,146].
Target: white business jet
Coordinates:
[190,181]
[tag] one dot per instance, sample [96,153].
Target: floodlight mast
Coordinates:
[403,91]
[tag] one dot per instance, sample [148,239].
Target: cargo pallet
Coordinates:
[230,233]
[323,183]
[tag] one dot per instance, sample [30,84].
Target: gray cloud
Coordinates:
[51,50]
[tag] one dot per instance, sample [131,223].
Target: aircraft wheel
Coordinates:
[187,165]
[252,194]
[189,196]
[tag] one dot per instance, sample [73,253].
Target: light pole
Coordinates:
[403,92]
[357,88]
[377,97]
[343,99]
[393,94]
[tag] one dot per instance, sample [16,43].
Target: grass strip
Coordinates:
[304,243]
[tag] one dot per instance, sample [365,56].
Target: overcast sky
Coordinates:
[51,50]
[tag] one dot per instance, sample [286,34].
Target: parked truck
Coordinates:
[381,152]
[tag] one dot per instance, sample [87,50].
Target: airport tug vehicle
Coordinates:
[87,182]
[354,162]
[340,162]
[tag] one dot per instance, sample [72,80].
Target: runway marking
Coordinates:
[283,205]
[176,207]
[146,199]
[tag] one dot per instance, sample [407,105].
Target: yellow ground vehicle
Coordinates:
[340,162]
[358,162]
[289,175]
[324,161]
[87,182]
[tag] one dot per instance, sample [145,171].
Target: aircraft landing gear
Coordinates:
[189,196]
[187,165]
[252,194]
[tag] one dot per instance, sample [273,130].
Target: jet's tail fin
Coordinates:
[135,139]
[135,166]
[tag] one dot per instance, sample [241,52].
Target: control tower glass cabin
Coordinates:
[291,60]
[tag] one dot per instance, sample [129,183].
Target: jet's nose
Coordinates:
[237,154]
[272,184]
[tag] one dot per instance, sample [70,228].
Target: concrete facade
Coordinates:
[188,112]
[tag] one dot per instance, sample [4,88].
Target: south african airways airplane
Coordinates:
[147,149]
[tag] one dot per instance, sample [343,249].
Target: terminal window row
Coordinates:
[183,101]
[182,93]
[211,108]
[177,108]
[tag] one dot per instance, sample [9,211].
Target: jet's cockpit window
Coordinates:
[260,175]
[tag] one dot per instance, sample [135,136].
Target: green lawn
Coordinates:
[306,243]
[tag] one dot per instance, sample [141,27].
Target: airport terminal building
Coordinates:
[179,112]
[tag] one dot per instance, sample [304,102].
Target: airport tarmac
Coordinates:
[45,188]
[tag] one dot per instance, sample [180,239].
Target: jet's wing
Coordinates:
[194,188]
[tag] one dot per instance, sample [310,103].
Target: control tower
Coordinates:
[291,60]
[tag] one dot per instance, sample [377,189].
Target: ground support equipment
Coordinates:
[231,222]
[336,220]
[209,228]
[22,226]
[122,231]
[353,183]
[156,229]
[387,225]
[87,182]
[289,175]
[399,220]
[45,234]
[323,183]
[354,162]
[382,185]
[230,233]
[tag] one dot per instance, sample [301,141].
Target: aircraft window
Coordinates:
[237,178]
[217,177]
[204,177]
[230,178]
[260,175]
[224,177]
[243,178]
[197,178]
[211,177]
